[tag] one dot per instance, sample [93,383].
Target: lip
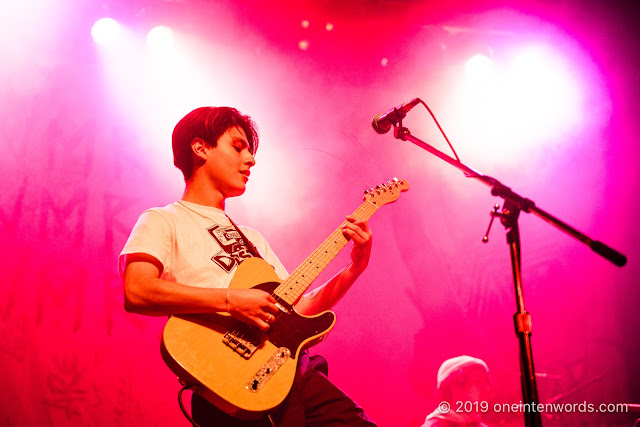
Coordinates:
[246,174]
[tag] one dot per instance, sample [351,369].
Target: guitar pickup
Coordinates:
[272,365]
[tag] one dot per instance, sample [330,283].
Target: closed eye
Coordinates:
[240,144]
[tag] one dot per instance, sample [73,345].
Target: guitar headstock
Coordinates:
[387,192]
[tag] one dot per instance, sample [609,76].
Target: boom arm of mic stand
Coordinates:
[513,205]
[526,205]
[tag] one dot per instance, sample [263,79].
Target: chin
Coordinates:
[235,192]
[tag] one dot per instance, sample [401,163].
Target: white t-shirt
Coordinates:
[197,245]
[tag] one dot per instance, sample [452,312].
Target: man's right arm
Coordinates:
[146,293]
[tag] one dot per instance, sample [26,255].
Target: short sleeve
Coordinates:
[152,235]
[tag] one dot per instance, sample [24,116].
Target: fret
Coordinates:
[300,280]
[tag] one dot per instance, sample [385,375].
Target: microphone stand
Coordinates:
[513,205]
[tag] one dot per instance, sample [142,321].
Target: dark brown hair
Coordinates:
[208,123]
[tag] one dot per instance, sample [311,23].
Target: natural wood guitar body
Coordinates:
[193,348]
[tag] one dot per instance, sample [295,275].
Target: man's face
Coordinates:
[471,386]
[228,163]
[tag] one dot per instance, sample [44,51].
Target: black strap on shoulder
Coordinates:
[250,246]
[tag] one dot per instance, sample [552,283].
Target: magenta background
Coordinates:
[78,166]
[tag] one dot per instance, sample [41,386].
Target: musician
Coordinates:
[181,258]
[463,387]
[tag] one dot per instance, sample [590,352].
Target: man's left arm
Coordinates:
[327,295]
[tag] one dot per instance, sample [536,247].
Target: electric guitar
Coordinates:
[239,368]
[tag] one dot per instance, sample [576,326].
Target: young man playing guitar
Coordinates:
[181,259]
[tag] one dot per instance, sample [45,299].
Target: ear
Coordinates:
[198,148]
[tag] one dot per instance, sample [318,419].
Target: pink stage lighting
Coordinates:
[106,31]
[161,38]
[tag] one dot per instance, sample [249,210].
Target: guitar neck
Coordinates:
[298,282]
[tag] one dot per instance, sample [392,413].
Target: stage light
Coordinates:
[329,26]
[517,104]
[479,67]
[303,45]
[541,73]
[384,62]
[106,31]
[541,77]
[305,23]
[161,38]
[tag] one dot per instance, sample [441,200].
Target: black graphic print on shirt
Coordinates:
[234,249]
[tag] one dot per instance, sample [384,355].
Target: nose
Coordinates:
[250,160]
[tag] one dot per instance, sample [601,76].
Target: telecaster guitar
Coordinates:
[240,369]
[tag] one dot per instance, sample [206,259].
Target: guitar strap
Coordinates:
[250,246]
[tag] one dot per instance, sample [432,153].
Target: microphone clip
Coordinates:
[400,132]
[382,123]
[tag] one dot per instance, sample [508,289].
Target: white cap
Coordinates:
[456,365]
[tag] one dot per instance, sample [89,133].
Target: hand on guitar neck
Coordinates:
[326,296]
[357,230]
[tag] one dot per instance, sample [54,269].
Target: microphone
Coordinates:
[383,122]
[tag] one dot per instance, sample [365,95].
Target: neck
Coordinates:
[203,195]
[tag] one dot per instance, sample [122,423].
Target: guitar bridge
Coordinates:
[243,340]
[269,369]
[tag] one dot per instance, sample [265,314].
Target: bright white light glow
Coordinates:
[161,38]
[106,31]
[479,67]
[519,104]
[540,77]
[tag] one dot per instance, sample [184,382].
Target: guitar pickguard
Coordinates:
[289,330]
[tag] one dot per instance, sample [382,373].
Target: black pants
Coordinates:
[312,401]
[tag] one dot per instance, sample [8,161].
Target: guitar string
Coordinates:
[307,271]
[315,260]
[367,208]
[319,258]
[331,247]
[313,266]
